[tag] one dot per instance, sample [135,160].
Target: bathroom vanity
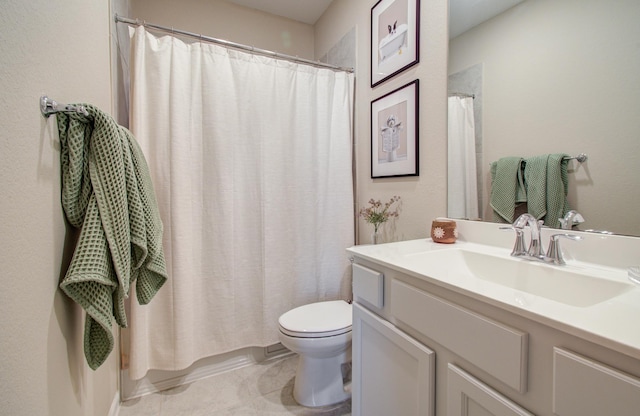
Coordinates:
[466,329]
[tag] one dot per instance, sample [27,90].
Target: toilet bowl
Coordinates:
[321,335]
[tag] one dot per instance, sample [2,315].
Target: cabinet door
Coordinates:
[468,396]
[393,374]
[583,386]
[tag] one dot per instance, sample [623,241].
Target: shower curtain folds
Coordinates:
[462,177]
[251,160]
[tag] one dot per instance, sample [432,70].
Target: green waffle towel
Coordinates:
[547,182]
[107,190]
[507,188]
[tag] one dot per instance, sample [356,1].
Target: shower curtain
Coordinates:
[251,162]
[462,200]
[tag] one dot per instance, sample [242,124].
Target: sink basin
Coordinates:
[566,284]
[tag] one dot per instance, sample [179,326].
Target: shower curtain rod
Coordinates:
[461,94]
[230,44]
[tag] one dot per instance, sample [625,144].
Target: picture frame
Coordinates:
[394,133]
[395,38]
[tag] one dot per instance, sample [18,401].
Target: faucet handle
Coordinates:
[555,254]
[518,246]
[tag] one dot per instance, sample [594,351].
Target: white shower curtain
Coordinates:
[462,200]
[251,162]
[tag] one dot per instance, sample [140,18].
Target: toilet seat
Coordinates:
[317,320]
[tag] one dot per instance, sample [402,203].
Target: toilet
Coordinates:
[321,335]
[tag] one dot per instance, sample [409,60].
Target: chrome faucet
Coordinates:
[535,251]
[572,217]
[535,245]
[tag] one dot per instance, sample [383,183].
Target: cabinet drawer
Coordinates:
[582,386]
[493,347]
[368,285]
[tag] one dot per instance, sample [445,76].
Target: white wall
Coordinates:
[61,48]
[423,197]
[563,77]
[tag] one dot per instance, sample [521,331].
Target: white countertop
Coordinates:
[613,323]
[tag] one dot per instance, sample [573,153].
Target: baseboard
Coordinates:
[156,381]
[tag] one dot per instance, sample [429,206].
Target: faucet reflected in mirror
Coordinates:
[570,88]
[572,218]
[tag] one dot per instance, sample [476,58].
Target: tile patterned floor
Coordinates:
[257,390]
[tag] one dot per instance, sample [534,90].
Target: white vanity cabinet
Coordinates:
[393,374]
[423,349]
[468,396]
[584,386]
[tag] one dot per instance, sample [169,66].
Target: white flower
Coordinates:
[438,232]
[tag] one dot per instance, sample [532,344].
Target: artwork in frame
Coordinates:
[394,133]
[395,38]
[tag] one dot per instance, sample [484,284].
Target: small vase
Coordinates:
[375,237]
[444,231]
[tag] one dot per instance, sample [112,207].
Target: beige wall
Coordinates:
[424,196]
[563,77]
[61,48]
[228,21]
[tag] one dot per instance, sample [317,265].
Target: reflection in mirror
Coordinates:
[551,77]
[463,195]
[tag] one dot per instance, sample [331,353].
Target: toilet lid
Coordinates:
[320,319]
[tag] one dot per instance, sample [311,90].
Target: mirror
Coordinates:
[555,76]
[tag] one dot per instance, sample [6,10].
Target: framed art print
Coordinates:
[394,133]
[395,38]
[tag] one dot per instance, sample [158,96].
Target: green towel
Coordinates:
[547,183]
[557,188]
[107,190]
[507,188]
[535,177]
